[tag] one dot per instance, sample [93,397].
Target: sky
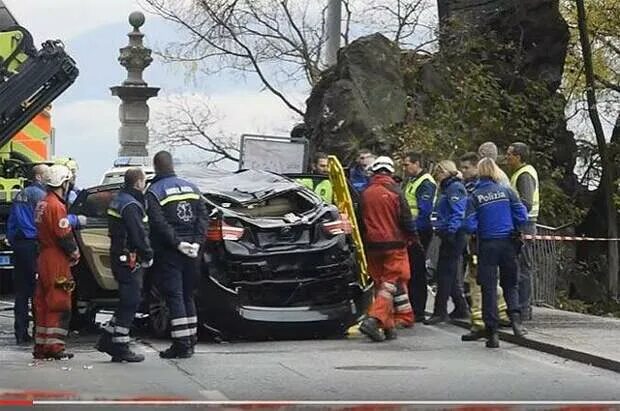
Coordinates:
[86,116]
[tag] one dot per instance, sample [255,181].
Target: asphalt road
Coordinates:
[423,364]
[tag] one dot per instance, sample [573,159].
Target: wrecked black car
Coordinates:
[278,260]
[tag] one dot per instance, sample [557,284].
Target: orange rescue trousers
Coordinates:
[52,305]
[390,271]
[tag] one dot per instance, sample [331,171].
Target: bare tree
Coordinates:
[400,20]
[188,124]
[279,41]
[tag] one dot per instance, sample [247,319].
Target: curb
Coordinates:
[577,356]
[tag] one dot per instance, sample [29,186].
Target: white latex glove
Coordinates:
[147,264]
[82,220]
[195,249]
[186,248]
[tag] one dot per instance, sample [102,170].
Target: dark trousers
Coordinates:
[419,275]
[491,255]
[130,295]
[176,275]
[24,280]
[448,284]
[525,269]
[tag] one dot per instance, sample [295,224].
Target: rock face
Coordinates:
[358,98]
[535,26]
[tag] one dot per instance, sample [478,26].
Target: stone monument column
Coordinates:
[133,135]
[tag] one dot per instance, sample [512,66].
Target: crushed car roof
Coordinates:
[241,186]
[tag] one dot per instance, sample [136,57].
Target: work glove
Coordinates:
[82,220]
[186,248]
[147,264]
[195,250]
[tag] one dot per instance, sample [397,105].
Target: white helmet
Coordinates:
[57,175]
[382,163]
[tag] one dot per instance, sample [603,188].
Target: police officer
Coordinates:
[420,189]
[358,174]
[450,210]
[324,187]
[495,214]
[22,235]
[130,252]
[524,180]
[178,223]
[468,164]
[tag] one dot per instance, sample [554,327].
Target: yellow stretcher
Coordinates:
[342,200]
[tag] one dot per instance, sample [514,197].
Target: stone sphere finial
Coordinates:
[137,19]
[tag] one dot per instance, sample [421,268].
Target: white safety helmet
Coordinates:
[57,175]
[382,163]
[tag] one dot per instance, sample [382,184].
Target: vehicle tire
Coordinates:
[159,314]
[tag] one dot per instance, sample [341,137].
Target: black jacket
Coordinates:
[177,212]
[127,222]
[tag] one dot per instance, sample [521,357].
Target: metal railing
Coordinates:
[548,257]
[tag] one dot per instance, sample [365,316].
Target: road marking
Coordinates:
[214,395]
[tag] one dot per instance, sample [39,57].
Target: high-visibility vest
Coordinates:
[323,189]
[411,190]
[536,200]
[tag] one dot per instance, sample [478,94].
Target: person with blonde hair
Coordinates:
[468,163]
[450,209]
[495,215]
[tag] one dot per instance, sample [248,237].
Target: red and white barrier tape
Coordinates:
[565,238]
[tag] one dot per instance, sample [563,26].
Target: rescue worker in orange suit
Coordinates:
[178,223]
[387,225]
[130,253]
[58,252]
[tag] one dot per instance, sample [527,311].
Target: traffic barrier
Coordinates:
[565,238]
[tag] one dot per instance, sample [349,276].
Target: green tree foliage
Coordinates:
[459,102]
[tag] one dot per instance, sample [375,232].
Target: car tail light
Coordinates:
[340,226]
[219,231]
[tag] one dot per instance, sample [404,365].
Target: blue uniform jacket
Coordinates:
[451,206]
[20,224]
[494,211]
[425,196]
[359,178]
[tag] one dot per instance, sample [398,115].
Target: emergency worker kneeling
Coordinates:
[495,216]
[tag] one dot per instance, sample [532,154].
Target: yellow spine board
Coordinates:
[342,200]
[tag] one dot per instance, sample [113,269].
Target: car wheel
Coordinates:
[159,314]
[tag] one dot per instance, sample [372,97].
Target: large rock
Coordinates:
[356,100]
[536,27]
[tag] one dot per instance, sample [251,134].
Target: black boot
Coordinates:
[390,334]
[473,335]
[370,328]
[177,350]
[60,355]
[492,339]
[517,327]
[436,319]
[104,342]
[124,354]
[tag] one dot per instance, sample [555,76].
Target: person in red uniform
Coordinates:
[387,226]
[58,252]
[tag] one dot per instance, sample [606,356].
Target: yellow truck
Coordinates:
[30,79]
